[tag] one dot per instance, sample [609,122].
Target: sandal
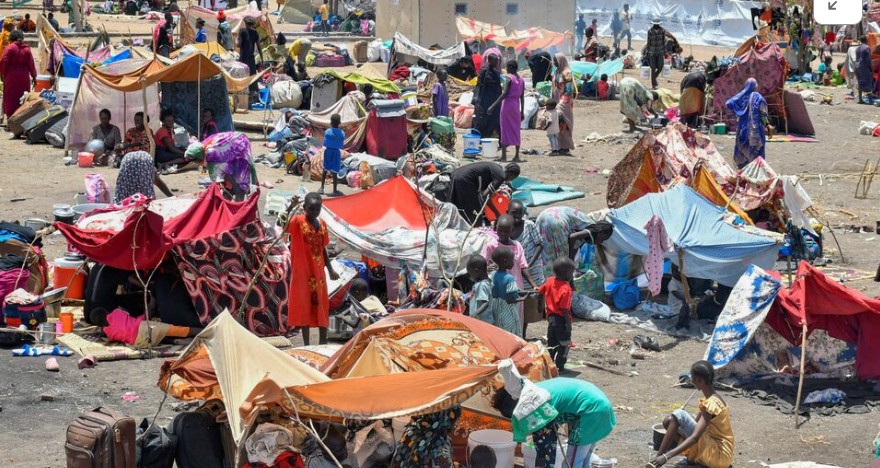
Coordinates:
[59,351]
[27,350]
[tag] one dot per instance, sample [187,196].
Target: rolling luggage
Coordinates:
[329,60]
[55,133]
[36,126]
[101,438]
[25,112]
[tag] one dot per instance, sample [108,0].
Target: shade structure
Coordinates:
[712,246]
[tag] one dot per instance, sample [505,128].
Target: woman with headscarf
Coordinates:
[512,104]
[564,230]
[18,72]
[8,27]
[751,111]
[635,99]
[487,120]
[864,71]
[564,91]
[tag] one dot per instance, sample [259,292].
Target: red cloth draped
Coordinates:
[309,305]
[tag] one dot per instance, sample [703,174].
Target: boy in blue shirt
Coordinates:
[334,141]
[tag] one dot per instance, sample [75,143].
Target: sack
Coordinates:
[374,51]
[626,295]
[534,308]
[97,190]
[442,125]
[199,440]
[55,134]
[156,448]
[29,315]
[360,51]
[101,438]
[463,116]
[286,94]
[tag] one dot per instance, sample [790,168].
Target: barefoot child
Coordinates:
[557,292]
[334,141]
[309,305]
[481,294]
[520,266]
[550,124]
[505,293]
[706,440]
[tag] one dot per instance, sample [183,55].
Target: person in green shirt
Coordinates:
[580,404]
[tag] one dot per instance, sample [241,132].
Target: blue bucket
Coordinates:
[472,142]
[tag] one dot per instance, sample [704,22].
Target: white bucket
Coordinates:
[645,73]
[667,71]
[471,142]
[490,147]
[530,456]
[398,425]
[501,442]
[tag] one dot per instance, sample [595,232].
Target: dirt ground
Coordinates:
[36,406]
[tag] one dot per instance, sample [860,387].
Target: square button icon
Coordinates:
[837,12]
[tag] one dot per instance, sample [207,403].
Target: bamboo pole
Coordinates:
[143,81]
[797,404]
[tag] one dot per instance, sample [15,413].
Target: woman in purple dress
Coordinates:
[511,102]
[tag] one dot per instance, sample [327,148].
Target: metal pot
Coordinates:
[64,215]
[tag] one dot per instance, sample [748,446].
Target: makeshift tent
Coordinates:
[608,67]
[51,48]
[354,122]
[668,157]
[404,50]
[765,63]
[379,83]
[212,367]
[235,17]
[140,234]
[527,39]
[188,99]
[387,129]
[388,223]
[758,334]
[418,340]
[712,247]
[209,48]
[121,89]
[71,63]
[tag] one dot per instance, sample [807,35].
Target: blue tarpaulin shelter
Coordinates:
[71,64]
[713,248]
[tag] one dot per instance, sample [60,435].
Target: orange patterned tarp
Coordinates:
[525,39]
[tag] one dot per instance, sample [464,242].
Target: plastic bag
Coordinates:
[97,190]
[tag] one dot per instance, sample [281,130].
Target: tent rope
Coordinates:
[310,428]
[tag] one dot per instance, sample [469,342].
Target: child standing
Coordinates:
[676,299]
[551,125]
[557,292]
[481,294]
[505,293]
[440,96]
[519,268]
[308,303]
[334,141]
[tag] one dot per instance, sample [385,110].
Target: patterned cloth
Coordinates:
[656,44]
[751,111]
[531,241]
[564,90]
[633,95]
[133,135]
[228,156]
[659,244]
[555,225]
[137,174]
[545,443]
[184,100]
[427,441]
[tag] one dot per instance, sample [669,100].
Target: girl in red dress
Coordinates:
[309,305]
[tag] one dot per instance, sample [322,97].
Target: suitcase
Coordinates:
[329,60]
[101,439]
[199,440]
[44,121]
[55,133]
[25,112]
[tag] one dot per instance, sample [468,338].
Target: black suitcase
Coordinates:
[199,440]
[35,127]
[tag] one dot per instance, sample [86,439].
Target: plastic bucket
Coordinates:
[530,456]
[667,71]
[84,159]
[67,273]
[489,147]
[501,442]
[719,129]
[645,72]
[472,142]
[42,82]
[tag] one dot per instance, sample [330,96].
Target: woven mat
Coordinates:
[97,345]
[843,275]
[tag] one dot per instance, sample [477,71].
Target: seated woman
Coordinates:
[109,134]
[706,440]
[209,127]
[136,139]
[137,175]
[167,153]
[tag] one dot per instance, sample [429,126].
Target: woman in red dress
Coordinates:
[309,305]
[17,71]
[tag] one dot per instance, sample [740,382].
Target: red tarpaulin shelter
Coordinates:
[147,236]
[825,304]
[393,203]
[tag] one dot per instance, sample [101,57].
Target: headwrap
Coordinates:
[739,104]
[533,410]
[492,51]
[221,15]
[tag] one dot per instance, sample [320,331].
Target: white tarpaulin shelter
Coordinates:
[702,22]
[446,57]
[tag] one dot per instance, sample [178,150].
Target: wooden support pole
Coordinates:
[684,283]
[797,404]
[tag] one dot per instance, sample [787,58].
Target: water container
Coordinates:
[67,273]
[530,456]
[667,71]
[489,147]
[472,142]
[645,73]
[501,442]
[42,82]
[84,159]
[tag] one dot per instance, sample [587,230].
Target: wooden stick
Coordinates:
[597,366]
[684,282]
[797,405]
